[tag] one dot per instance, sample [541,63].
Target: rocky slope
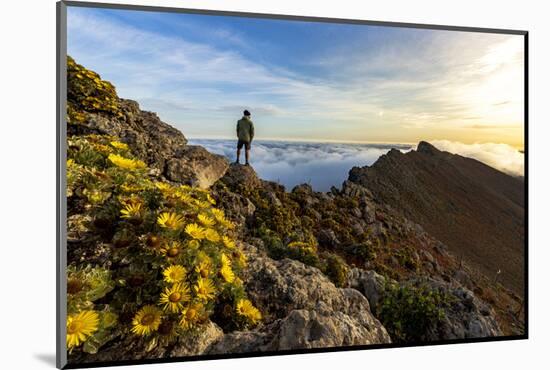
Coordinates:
[349,234]
[474,209]
[330,269]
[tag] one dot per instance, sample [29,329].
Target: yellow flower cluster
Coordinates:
[191,290]
[86,90]
[160,230]
[126,163]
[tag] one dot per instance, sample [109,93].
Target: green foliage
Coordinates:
[406,259]
[366,251]
[335,268]
[408,311]
[280,219]
[86,285]
[105,333]
[300,251]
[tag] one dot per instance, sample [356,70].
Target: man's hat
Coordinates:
[246,113]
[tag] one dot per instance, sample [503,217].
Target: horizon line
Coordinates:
[520,148]
[189,137]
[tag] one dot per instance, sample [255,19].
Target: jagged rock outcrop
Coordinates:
[94,108]
[161,146]
[150,139]
[369,283]
[302,309]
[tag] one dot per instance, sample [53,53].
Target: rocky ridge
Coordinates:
[477,211]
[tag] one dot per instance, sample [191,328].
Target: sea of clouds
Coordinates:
[503,157]
[323,165]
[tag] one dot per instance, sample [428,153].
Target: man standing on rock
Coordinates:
[245,134]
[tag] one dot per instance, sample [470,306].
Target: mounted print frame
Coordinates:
[236,184]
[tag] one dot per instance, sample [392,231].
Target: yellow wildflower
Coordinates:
[203,268]
[103,148]
[225,260]
[204,289]
[210,199]
[218,214]
[132,209]
[191,315]
[212,235]
[228,242]
[80,326]
[195,231]
[171,250]
[174,274]
[182,196]
[163,187]
[170,220]
[239,256]
[119,145]
[146,320]
[227,273]
[173,298]
[246,309]
[193,244]
[205,220]
[202,204]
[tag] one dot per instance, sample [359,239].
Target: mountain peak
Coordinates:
[425,147]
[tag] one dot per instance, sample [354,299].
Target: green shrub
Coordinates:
[300,251]
[409,311]
[335,268]
[366,251]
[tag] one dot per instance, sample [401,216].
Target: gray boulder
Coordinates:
[369,283]
[239,178]
[328,239]
[194,165]
[302,309]
[198,343]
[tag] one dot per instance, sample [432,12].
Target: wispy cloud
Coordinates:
[428,84]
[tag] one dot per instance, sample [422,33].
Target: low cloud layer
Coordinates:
[503,157]
[322,165]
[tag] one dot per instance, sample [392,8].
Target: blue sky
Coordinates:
[306,80]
